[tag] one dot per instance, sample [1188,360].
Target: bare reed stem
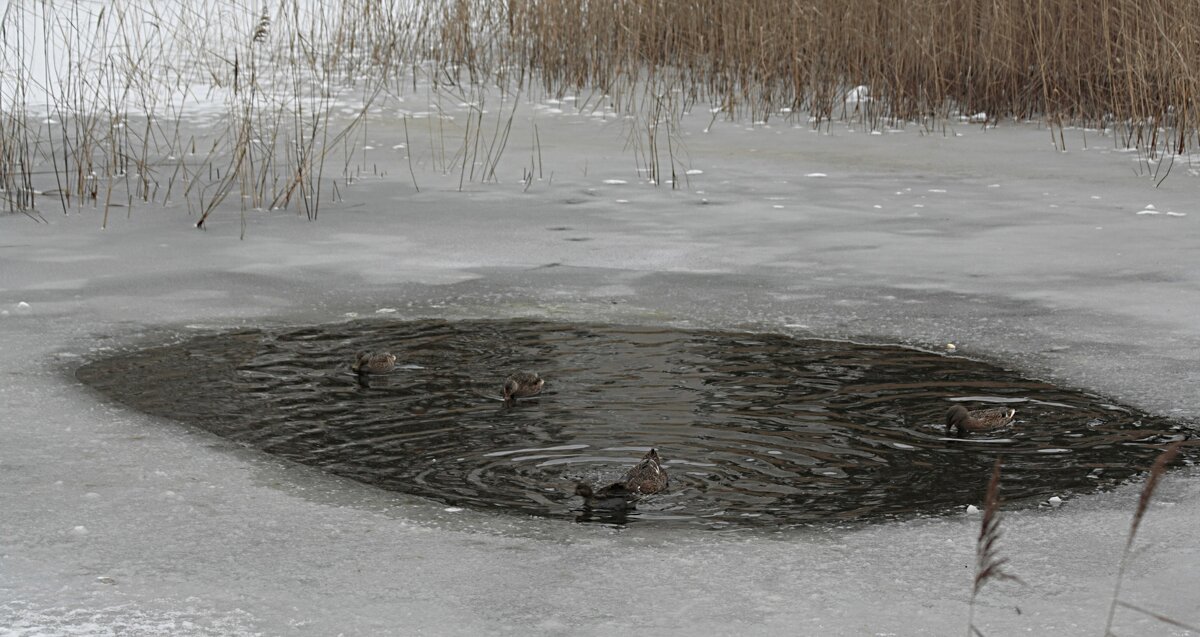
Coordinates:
[988,563]
[1157,470]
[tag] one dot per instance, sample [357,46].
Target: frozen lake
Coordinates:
[1070,267]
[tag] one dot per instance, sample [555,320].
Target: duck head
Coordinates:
[956,419]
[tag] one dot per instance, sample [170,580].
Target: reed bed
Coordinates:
[112,105]
[1131,65]
[110,120]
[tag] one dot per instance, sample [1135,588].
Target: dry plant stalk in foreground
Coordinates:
[1156,473]
[988,563]
[990,566]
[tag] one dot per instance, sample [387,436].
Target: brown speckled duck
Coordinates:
[958,418]
[614,497]
[648,476]
[373,363]
[521,385]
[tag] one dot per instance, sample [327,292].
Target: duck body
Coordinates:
[961,421]
[614,497]
[522,385]
[373,362]
[648,476]
[644,479]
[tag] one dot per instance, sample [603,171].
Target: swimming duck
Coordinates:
[521,385]
[614,497]
[648,476]
[373,363]
[978,420]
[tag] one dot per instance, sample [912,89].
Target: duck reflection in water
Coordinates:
[614,497]
[611,504]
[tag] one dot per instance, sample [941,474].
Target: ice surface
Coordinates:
[184,533]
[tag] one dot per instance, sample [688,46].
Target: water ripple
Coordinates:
[755,429]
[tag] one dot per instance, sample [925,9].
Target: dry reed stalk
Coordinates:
[499,140]
[1157,470]
[988,563]
[408,154]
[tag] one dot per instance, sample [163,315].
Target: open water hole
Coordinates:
[754,429]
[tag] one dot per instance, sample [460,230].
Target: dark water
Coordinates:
[755,429]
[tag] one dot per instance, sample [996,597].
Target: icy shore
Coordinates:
[112,522]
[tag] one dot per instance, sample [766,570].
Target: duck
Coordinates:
[648,476]
[373,363]
[978,420]
[614,497]
[522,385]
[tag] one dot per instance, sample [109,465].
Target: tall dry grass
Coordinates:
[1131,65]
[117,128]
[205,105]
